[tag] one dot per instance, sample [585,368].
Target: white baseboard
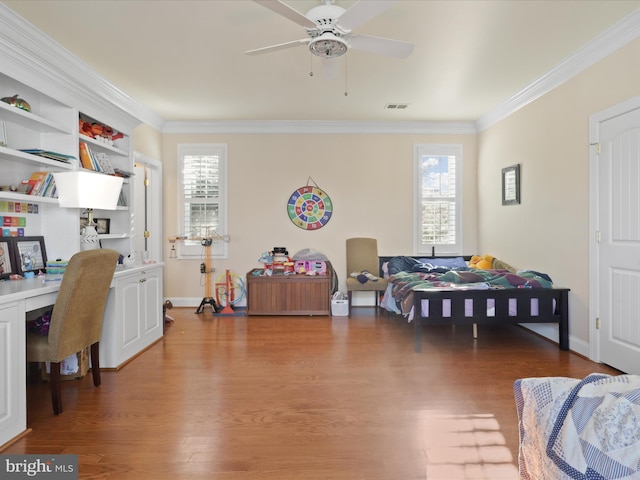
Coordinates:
[194,302]
[550,331]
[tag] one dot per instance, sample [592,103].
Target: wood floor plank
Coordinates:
[287,398]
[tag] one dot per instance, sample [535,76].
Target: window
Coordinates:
[438,194]
[202,184]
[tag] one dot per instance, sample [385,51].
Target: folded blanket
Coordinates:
[579,429]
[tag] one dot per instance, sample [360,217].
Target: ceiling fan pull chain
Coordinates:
[310,64]
[346,80]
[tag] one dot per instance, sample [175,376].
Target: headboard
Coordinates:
[383,260]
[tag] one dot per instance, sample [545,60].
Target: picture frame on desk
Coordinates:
[102,224]
[29,253]
[7,262]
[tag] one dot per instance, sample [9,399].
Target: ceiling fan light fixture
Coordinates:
[328,45]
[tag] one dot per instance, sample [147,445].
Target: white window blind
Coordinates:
[438,222]
[202,197]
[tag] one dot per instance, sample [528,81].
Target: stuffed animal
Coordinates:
[484,262]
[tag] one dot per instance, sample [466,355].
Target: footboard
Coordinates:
[490,307]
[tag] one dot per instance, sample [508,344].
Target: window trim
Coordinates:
[421,149]
[193,249]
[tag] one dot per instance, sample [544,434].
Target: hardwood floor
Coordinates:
[287,398]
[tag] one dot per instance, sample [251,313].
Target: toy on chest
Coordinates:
[267,259]
[318,266]
[281,260]
[288,266]
[310,267]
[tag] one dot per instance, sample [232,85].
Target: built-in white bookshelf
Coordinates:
[31,141]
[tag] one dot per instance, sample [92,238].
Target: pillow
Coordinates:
[401,264]
[448,262]
[500,265]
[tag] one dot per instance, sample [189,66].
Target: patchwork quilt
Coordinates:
[402,284]
[579,429]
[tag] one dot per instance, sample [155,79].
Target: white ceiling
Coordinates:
[185,59]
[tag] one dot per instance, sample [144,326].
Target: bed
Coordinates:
[498,296]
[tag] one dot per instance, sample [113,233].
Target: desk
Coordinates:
[16,299]
[132,322]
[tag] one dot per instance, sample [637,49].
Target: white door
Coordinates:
[618,212]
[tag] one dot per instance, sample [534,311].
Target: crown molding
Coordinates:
[35,59]
[619,35]
[38,61]
[321,127]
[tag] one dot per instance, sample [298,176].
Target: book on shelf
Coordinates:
[85,156]
[35,182]
[122,199]
[40,184]
[96,161]
[49,188]
[105,164]
[60,157]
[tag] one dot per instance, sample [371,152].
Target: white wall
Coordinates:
[549,230]
[368,177]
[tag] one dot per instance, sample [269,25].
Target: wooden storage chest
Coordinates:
[296,294]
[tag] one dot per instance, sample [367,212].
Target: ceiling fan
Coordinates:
[330,29]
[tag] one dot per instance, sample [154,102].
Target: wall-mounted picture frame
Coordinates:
[103,225]
[511,185]
[3,135]
[7,263]
[29,253]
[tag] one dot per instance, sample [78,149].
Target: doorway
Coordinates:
[148,207]
[615,243]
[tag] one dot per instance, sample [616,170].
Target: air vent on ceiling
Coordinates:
[396,106]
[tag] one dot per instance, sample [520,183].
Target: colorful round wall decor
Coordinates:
[309,208]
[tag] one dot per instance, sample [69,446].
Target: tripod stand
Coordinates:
[206,269]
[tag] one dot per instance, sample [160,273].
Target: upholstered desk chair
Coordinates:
[362,255]
[76,320]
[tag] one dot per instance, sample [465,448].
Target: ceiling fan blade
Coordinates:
[286,11]
[280,46]
[382,46]
[363,11]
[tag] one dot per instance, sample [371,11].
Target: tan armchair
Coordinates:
[76,320]
[362,255]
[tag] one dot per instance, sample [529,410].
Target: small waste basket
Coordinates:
[339,305]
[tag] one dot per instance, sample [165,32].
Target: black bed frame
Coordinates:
[553,307]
